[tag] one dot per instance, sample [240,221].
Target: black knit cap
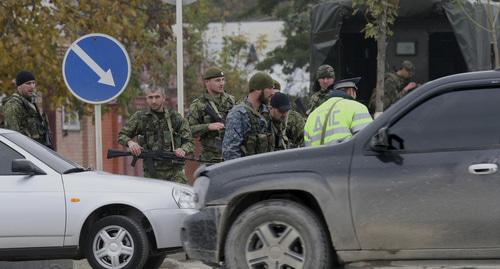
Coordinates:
[281,102]
[23,77]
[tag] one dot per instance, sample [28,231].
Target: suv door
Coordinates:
[32,208]
[438,185]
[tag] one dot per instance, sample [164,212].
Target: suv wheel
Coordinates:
[277,234]
[116,242]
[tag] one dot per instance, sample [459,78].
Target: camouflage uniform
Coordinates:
[153,132]
[393,89]
[281,141]
[199,119]
[322,95]
[248,132]
[23,116]
[394,84]
[317,99]
[295,129]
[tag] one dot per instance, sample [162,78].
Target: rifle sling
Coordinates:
[171,130]
[214,107]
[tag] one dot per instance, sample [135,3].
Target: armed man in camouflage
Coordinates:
[248,125]
[292,124]
[158,128]
[207,114]
[325,77]
[21,113]
[398,84]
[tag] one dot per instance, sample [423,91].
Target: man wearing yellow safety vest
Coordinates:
[337,119]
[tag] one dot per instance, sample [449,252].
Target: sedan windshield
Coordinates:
[51,158]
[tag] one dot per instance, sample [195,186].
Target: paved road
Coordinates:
[178,262]
[172,263]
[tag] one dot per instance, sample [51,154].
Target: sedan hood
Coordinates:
[98,181]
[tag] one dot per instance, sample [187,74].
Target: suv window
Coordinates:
[459,119]
[6,156]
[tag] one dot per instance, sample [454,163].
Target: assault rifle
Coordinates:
[155,155]
[215,117]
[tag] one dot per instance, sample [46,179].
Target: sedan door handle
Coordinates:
[483,169]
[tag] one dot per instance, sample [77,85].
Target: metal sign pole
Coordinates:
[180,58]
[98,137]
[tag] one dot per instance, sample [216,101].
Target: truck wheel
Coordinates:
[116,242]
[277,234]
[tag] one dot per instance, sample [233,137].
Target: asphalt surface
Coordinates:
[178,261]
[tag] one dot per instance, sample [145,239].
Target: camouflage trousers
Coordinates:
[173,174]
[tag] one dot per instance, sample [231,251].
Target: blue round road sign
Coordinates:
[96,68]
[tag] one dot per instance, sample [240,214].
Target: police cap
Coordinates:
[347,83]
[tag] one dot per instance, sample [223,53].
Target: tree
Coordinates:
[380,15]
[296,16]
[34,35]
[28,41]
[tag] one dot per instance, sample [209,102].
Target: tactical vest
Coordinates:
[258,139]
[159,134]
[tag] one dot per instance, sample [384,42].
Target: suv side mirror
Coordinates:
[380,141]
[26,167]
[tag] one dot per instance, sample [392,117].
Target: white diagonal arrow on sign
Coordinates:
[106,77]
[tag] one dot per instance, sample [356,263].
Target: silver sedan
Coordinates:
[52,208]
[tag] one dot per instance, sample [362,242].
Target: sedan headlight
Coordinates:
[184,198]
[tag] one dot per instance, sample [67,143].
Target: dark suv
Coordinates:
[419,183]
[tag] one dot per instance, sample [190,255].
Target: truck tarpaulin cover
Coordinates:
[469,21]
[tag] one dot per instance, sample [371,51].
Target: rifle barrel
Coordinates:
[113,153]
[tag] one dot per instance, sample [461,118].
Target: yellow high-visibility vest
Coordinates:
[334,121]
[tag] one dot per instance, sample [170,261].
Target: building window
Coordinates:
[70,120]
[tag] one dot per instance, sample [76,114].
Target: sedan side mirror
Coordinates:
[380,141]
[26,167]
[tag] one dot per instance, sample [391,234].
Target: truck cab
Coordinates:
[419,183]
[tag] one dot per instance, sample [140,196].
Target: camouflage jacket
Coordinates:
[290,132]
[393,89]
[199,119]
[317,99]
[153,133]
[281,141]
[248,132]
[23,116]
[295,129]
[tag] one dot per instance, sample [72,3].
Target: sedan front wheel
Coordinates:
[117,242]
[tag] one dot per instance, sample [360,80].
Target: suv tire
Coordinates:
[275,233]
[116,242]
